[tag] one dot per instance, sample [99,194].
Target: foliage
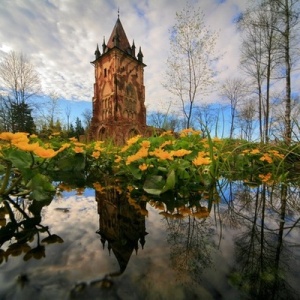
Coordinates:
[178,163]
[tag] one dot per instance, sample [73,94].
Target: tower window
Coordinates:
[105,72]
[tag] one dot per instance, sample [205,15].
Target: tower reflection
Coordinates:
[121,225]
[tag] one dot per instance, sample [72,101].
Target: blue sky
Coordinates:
[60,37]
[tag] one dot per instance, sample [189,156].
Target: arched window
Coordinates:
[130,99]
[102,134]
[132,132]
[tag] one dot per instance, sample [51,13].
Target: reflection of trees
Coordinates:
[20,225]
[190,234]
[262,252]
[190,244]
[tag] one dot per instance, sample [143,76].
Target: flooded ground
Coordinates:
[243,243]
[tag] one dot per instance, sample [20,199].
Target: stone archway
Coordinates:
[132,132]
[102,133]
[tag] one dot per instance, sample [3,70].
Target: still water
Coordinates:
[235,242]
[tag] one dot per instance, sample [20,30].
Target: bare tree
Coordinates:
[19,81]
[68,110]
[87,117]
[189,74]
[246,116]
[235,90]
[207,116]
[260,56]
[18,77]
[165,121]
[52,110]
[288,12]
[270,44]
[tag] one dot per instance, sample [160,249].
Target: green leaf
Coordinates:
[41,188]
[154,185]
[72,163]
[183,173]
[170,182]
[20,159]
[135,171]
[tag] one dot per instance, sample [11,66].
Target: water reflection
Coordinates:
[121,226]
[230,241]
[190,233]
[22,232]
[261,219]
[265,216]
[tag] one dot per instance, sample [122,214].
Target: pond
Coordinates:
[235,241]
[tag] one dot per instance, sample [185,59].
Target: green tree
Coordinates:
[79,130]
[71,131]
[21,118]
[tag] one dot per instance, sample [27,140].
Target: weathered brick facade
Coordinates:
[119,110]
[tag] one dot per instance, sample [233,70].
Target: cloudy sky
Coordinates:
[60,37]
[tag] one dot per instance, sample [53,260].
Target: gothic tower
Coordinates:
[119,110]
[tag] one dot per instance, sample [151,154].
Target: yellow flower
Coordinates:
[246,151]
[97,146]
[201,159]
[65,187]
[96,154]
[78,144]
[143,167]
[169,132]
[25,146]
[217,140]
[201,214]
[276,154]
[73,139]
[55,133]
[78,149]
[133,140]
[265,178]
[189,131]
[165,144]
[79,191]
[63,147]
[143,152]
[161,154]
[99,188]
[181,152]
[145,144]
[125,148]
[130,188]
[254,151]
[118,158]
[44,153]
[14,137]
[267,158]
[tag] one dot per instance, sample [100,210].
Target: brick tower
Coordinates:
[119,110]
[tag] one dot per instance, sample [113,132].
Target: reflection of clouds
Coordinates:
[82,251]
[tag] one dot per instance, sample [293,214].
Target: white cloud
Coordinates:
[60,36]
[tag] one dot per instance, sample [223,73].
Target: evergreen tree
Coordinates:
[71,132]
[21,119]
[79,130]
